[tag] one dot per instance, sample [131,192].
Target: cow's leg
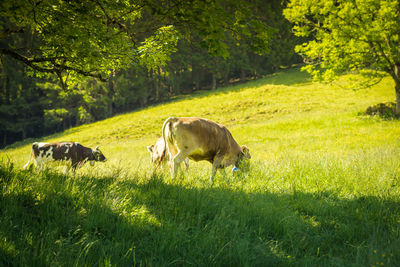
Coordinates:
[216,164]
[213,171]
[39,163]
[172,152]
[66,169]
[176,162]
[187,163]
[158,165]
[74,165]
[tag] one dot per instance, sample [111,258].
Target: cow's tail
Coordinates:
[166,122]
[30,157]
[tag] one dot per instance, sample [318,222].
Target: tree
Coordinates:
[72,38]
[21,103]
[349,35]
[217,41]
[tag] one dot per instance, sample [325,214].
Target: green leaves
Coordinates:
[348,35]
[155,51]
[96,37]
[82,38]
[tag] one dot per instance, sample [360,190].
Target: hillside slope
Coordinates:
[281,113]
[323,187]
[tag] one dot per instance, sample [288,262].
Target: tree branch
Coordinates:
[28,61]
[7,32]
[114,21]
[57,69]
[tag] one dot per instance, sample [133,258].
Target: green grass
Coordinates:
[323,188]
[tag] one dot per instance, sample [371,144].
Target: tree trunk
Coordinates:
[214,81]
[111,92]
[5,139]
[242,75]
[23,133]
[396,77]
[397,100]
[156,79]
[226,79]
[8,88]
[195,77]
[174,86]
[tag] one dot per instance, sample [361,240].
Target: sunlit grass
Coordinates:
[323,188]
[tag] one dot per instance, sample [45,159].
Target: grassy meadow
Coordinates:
[323,187]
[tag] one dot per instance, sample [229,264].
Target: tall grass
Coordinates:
[323,187]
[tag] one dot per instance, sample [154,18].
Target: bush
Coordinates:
[384,110]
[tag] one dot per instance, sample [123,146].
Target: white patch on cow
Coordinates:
[44,157]
[41,161]
[76,143]
[66,151]
[66,160]
[41,144]
[49,153]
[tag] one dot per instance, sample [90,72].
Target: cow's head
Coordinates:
[157,152]
[245,152]
[243,160]
[152,154]
[98,155]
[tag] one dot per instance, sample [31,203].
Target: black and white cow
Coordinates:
[72,152]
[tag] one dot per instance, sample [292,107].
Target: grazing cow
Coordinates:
[158,153]
[64,151]
[201,139]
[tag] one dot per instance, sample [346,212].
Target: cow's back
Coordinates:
[77,152]
[203,138]
[159,150]
[60,151]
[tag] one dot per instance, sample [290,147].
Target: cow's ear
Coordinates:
[150,148]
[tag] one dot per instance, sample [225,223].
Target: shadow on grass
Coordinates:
[31,140]
[385,111]
[59,220]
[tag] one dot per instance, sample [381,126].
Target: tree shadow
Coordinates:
[106,221]
[29,141]
[280,229]
[384,111]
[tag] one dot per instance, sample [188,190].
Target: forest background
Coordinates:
[35,105]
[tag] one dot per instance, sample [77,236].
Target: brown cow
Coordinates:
[201,139]
[158,154]
[64,151]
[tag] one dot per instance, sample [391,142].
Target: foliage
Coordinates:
[156,50]
[349,36]
[172,60]
[323,187]
[21,103]
[98,37]
[384,110]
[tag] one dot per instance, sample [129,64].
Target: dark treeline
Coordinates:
[31,106]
